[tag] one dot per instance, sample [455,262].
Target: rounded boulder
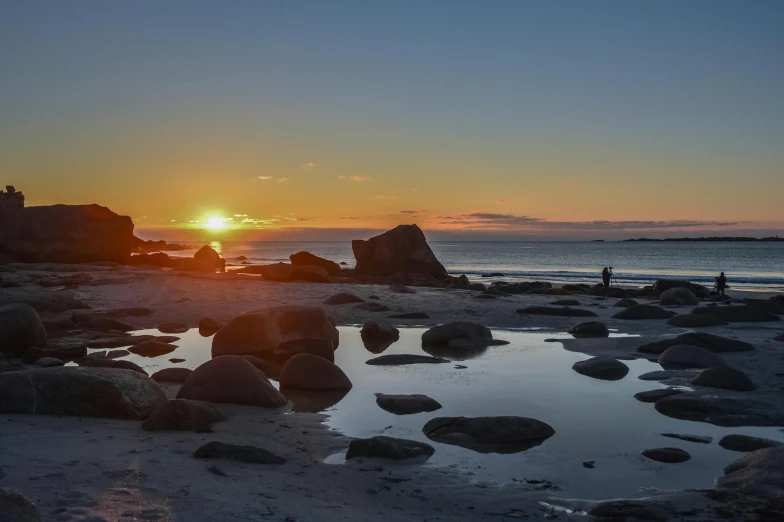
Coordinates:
[306,371]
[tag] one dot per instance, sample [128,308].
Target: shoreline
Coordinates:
[107,467]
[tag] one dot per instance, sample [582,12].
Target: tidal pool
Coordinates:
[594,420]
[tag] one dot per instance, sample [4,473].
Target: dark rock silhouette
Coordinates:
[402,249]
[388,448]
[308,259]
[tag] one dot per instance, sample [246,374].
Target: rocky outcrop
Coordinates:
[489,434]
[759,475]
[158,259]
[714,343]
[306,371]
[678,296]
[604,368]
[15,507]
[231,379]
[263,331]
[388,448]
[746,443]
[403,249]
[88,392]
[721,411]
[688,356]
[20,329]
[183,415]
[308,259]
[209,257]
[662,285]
[62,233]
[406,404]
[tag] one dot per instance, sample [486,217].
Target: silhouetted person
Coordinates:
[606,277]
[721,283]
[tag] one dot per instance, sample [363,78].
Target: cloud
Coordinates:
[341,177]
[415,190]
[381,196]
[502,202]
[281,180]
[309,165]
[494,221]
[568,184]
[263,178]
[412,211]
[357,178]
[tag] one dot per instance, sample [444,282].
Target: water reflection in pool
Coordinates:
[594,420]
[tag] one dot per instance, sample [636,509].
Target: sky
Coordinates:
[328,120]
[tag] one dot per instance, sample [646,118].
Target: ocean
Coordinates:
[748,266]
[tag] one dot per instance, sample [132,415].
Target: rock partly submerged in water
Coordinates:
[746,443]
[443,334]
[183,415]
[724,377]
[589,329]
[397,359]
[388,448]
[172,375]
[688,356]
[378,335]
[88,392]
[714,343]
[643,312]
[721,411]
[306,371]
[504,434]
[604,368]
[231,379]
[406,404]
[655,395]
[264,330]
[667,455]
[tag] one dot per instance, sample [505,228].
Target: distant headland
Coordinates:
[713,239]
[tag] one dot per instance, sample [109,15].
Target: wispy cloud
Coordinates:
[412,211]
[356,178]
[502,202]
[263,178]
[309,165]
[282,180]
[493,221]
[568,184]
[381,196]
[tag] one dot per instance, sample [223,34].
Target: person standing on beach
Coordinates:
[721,283]
[606,277]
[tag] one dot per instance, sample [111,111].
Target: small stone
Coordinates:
[667,455]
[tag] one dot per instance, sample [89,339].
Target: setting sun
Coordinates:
[216,223]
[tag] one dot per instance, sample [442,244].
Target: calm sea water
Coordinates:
[750,266]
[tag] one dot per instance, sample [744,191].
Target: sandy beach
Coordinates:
[76,467]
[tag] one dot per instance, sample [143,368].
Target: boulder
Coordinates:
[724,377]
[209,256]
[402,249]
[15,507]
[21,328]
[759,474]
[563,311]
[688,356]
[172,375]
[64,354]
[406,404]
[643,311]
[128,365]
[714,343]
[158,259]
[64,233]
[183,415]
[604,368]
[721,411]
[231,379]
[655,395]
[208,326]
[489,434]
[746,443]
[662,285]
[398,359]
[566,302]
[152,348]
[308,259]
[49,362]
[695,321]
[318,346]
[737,314]
[625,303]
[459,283]
[678,296]
[310,274]
[442,334]
[343,298]
[590,329]
[379,330]
[87,392]
[264,330]
[388,448]
[306,371]
[667,455]
[773,306]
[226,451]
